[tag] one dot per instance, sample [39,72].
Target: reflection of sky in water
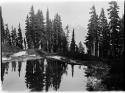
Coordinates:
[12,81]
[77,82]
[72,80]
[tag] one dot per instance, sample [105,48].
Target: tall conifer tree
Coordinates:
[104,35]
[20,38]
[114,26]
[92,39]
[72,45]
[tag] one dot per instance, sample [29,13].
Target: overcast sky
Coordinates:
[72,13]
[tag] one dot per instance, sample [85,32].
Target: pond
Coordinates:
[51,75]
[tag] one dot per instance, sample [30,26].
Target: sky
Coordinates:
[75,14]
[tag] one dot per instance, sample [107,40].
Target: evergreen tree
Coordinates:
[2,27]
[88,42]
[58,33]
[51,36]
[92,39]
[35,30]
[42,34]
[48,31]
[114,26]
[104,35]
[67,36]
[72,45]
[121,37]
[14,37]
[39,29]
[64,43]
[55,28]
[28,33]
[20,38]
[8,37]
[32,27]
[54,36]
[81,48]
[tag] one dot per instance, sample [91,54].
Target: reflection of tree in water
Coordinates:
[72,66]
[96,76]
[40,76]
[19,67]
[4,70]
[5,67]
[14,66]
[34,75]
[54,72]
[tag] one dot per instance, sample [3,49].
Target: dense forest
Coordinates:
[47,35]
[104,38]
[50,59]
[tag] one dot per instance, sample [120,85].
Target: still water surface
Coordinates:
[48,75]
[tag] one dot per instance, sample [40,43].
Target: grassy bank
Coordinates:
[8,50]
[80,56]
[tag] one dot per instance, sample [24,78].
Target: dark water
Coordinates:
[52,75]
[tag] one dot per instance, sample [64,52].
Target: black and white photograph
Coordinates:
[62,46]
